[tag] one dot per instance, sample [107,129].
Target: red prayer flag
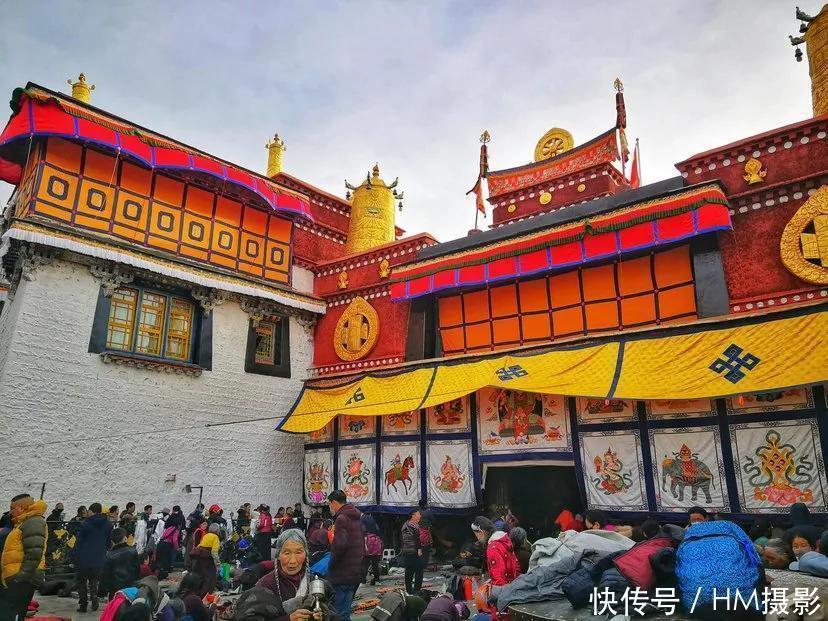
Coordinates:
[635,173]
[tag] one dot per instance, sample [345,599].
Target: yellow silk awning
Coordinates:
[732,356]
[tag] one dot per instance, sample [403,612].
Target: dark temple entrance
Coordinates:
[535,494]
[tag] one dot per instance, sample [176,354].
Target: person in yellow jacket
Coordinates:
[24,556]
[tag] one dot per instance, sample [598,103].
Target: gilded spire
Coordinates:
[275,148]
[814,34]
[619,86]
[81,90]
[372,212]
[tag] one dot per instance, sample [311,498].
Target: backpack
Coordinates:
[373,545]
[715,555]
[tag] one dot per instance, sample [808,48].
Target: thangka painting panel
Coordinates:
[510,420]
[680,408]
[592,410]
[613,470]
[776,401]
[450,474]
[779,464]
[351,427]
[450,417]
[357,473]
[688,469]
[318,475]
[400,474]
[321,435]
[404,424]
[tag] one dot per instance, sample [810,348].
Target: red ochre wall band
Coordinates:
[651,289]
[85,188]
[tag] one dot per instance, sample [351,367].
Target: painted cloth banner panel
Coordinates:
[680,408]
[777,401]
[450,417]
[779,464]
[736,360]
[352,427]
[356,473]
[318,475]
[404,423]
[400,480]
[613,470]
[450,474]
[592,410]
[509,421]
[688,469]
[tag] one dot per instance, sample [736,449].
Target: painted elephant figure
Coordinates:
[675,469]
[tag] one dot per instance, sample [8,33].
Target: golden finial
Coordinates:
[485,136]
[375,170]
[275,148]
[81,90]
[619,86]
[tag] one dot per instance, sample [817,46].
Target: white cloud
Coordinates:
[412,85]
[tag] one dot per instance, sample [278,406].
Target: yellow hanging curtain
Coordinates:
[704,360]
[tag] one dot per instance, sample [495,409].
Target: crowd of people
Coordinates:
[273,560]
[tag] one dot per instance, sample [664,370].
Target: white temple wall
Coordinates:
[94,431]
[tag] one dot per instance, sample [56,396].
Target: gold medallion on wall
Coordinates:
[804,243]
[357,330]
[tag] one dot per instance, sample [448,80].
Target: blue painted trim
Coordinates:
[730,466]
[572,407]
[617,373]
[546,455]
[423,460]
[477,474]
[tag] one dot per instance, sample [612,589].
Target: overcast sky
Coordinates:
[413,84]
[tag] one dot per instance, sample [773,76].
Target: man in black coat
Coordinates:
[90,555]
[121,568]
[347,551]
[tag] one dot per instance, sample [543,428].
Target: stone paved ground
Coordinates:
[67,606]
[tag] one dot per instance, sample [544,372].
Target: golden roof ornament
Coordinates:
[814,34]
[619,85]
[275,148]
[372,212]
[81,90]
[754,172]
[552,143]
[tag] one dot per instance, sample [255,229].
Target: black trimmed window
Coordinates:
[268,347]
[152,323]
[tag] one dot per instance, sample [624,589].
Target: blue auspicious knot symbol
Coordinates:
[509,373]
[733,363]
[357,396]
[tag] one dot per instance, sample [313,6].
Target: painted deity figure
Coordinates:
[318,483]
[521,426]
[450,478]
[778,475]
[612,478]
[448,413]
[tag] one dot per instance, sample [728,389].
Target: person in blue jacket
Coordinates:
[92,543]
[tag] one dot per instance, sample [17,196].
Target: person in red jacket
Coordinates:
[501,561]
[264,532]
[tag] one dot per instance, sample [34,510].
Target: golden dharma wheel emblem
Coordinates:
[804,242]
[552,143]
[512,208]
[581,187]
[545,198]
[357,330]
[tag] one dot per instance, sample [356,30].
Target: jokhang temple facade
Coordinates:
[602,345]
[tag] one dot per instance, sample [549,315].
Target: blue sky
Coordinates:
[411,85]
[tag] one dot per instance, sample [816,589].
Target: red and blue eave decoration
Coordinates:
[36,118]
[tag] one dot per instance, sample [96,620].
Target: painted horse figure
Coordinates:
[399,473]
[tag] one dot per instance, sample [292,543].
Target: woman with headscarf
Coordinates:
[206,558]
[522,548]
[290,581]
